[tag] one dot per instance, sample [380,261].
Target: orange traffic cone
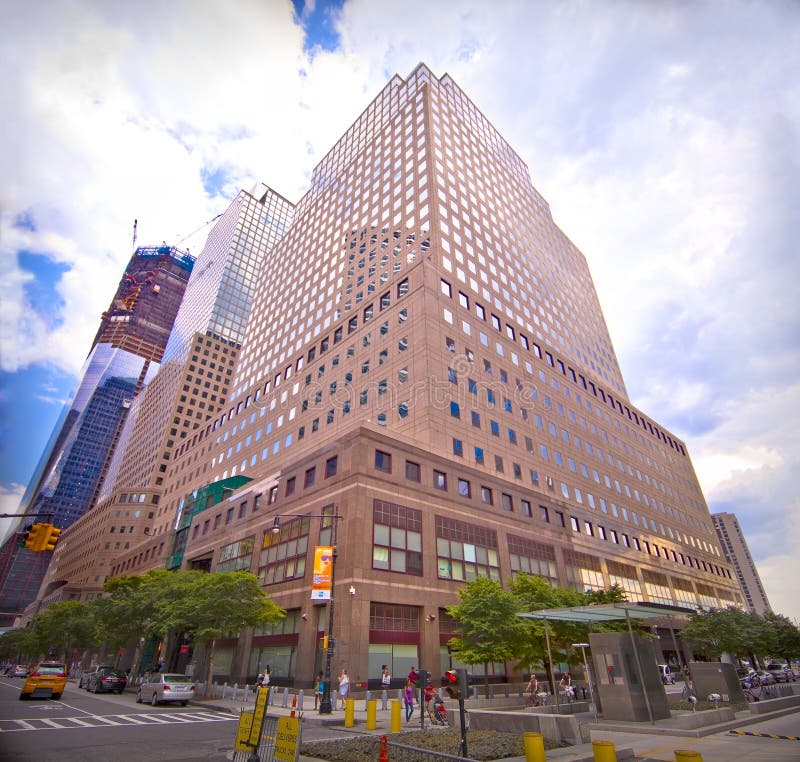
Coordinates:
[294,704]
[384,750]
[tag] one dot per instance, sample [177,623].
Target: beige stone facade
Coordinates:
[428,354]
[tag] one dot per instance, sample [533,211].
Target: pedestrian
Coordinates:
[344,687]
[319,689]
[413,675]
[386,678]
[263,678]
[429,693]
[532,688]
[408,699]
[566,684]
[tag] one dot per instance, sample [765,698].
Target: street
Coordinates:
[83,727]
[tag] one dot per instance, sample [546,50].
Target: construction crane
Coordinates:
[194,232]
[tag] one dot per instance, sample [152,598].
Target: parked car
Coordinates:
[91,672]
[780,672]
[105,680]
[166,687]
[18,671]
[48,680]
[666,675]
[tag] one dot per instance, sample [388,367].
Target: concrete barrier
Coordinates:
[554,727]
[692,720]
[770,705]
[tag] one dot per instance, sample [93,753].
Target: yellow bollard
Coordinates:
[533,744]
[349,712]
[395,725]
[688,755]
[372,713]
[604,751]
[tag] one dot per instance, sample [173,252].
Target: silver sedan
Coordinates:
[165,687]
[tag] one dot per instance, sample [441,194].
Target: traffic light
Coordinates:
[457,683]
[24,535]
[35,537]
[451,685]
[50,537]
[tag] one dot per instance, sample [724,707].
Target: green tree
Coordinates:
[20,645]
[211,606]
[787,637]
[730,630]
[64,626]
[488,627]
[536,594]
[130,606]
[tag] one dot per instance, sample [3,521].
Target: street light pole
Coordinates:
[325,704]
[583,647]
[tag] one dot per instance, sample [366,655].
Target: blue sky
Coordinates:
[664,136]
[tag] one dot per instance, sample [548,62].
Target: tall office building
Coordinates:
[190,388]
[125,353]
[426,359]
[737,554]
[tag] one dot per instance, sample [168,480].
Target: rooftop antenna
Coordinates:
[135,223]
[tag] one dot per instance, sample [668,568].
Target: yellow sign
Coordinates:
[243,732]
[287,738]
[323,573]
[258,716]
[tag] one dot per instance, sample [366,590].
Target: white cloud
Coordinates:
[664,136]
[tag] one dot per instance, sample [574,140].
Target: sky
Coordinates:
[665,137]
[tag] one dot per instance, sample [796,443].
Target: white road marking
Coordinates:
[105,721]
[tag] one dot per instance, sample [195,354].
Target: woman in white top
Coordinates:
[344,687]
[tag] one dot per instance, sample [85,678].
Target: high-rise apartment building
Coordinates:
[125,353]
[426,358]
[190,388]
[737,554]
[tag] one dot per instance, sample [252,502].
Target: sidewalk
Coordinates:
[633,741]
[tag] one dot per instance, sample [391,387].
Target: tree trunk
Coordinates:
[210,671]
[486,678]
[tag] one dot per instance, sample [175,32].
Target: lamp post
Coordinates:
[583,647]
[325,704]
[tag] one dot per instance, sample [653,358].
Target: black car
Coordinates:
[106,680]
[87,675]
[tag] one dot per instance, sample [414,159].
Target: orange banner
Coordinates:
[323,573]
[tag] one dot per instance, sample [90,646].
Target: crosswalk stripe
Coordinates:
[98,721]
[107,720]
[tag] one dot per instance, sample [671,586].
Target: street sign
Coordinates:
[287,739]
[243,732]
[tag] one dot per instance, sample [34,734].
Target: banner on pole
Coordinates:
[323,573]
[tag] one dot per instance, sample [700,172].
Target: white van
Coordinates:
[666,676]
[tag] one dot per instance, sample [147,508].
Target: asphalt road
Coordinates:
[84,727]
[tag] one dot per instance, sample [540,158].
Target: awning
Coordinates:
[606,612]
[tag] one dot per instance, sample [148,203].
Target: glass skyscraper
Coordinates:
[125,354]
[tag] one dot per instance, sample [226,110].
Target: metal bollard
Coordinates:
[349,712]
[372,714]
[300,700]
[604,751]
[285,701]
[395,724]
[688,755]
[384,699]
[533,744]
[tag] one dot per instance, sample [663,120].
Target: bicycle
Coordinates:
[538,699]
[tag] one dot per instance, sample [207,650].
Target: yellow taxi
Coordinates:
[48,680]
